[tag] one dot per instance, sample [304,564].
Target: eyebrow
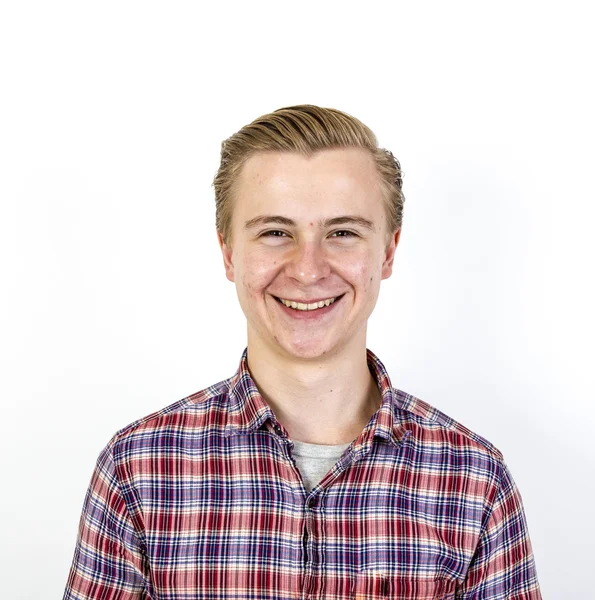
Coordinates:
[346,220]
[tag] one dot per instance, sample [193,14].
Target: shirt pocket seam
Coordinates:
[370,584]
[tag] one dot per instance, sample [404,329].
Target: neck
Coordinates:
[327,400]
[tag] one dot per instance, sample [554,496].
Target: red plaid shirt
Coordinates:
[203,500]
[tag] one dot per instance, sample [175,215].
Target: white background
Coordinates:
[114,298]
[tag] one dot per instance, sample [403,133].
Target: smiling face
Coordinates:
[304,230]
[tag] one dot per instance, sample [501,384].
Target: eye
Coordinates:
[269,233]
[347,232]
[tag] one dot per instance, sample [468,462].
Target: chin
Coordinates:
[308,349]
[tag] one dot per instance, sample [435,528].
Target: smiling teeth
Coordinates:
[314,306]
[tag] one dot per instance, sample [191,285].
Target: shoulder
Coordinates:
[435,430]
[174,425]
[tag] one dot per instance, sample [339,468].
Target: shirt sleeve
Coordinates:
[502,567]
[108,562]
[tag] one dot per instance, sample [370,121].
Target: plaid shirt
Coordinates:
[203,500]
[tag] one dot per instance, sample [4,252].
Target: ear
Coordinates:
[387,265]
[227,258]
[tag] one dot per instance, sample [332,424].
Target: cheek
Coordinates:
[257,274]
[364,271]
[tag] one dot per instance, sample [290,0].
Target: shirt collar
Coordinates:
[248,410]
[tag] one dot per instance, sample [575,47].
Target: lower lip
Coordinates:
[307,315]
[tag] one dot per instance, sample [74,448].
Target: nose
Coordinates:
[308,263]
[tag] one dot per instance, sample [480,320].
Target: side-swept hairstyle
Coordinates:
[305,129]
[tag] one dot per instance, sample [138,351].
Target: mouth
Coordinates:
[304,312]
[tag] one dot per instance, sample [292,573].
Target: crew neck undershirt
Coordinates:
[314,461]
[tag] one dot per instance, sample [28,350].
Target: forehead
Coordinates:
[342,173]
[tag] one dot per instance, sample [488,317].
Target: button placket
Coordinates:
[308,572]
[320,529]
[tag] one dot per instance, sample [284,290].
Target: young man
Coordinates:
[306,474]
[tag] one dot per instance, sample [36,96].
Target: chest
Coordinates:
[237,521]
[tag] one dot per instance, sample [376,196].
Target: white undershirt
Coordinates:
[314,461]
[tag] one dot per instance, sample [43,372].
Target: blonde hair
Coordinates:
[305,129]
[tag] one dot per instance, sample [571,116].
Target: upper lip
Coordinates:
[309,301]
